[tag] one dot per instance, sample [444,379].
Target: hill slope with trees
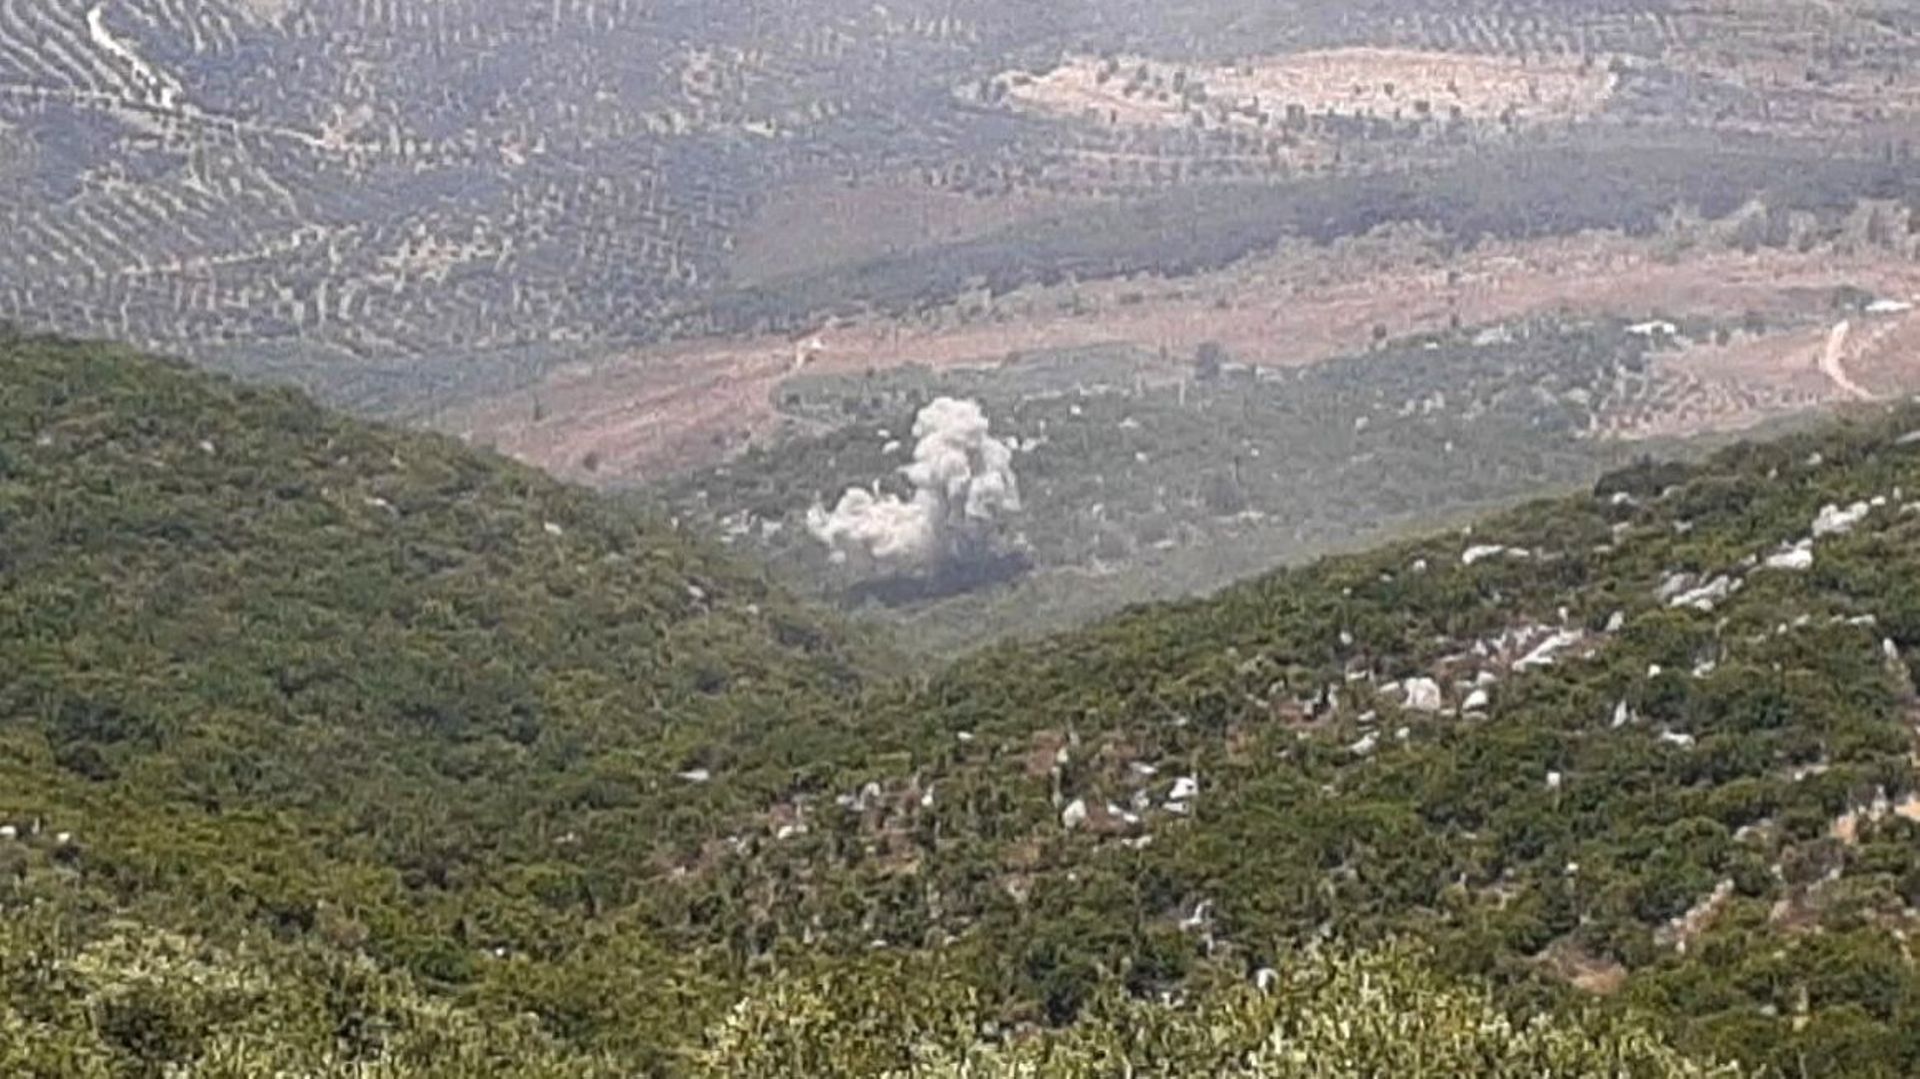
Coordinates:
[326,747]
[267,667]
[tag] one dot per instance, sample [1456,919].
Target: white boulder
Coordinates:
[1423,695]
[1798,557]
[1834,521]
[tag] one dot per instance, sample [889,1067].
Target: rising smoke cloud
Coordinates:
[963,482]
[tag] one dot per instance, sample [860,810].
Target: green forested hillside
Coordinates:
[272,670]
[327,749]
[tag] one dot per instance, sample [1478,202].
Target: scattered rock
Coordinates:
[1423,695]
[1491,550]
[1202,914]
[1622,715]
[1544,653]
[1674,585]
[1799,557]
[1834,521]
[1681,931]
[1707,595]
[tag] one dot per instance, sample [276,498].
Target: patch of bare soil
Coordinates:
[1141,91]
[633,418]
[1581,969]
[1883,353]
[1708,387]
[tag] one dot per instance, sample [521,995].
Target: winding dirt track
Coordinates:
[1833,362]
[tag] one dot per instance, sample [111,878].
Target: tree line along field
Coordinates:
[1629,182]
[334,747]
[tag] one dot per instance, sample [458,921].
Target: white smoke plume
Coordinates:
[962,480]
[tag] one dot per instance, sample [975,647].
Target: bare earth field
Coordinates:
[636,416]
[1347,82]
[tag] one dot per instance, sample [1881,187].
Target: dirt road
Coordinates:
[1833,362]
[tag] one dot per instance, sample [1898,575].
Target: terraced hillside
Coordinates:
[414,204]
[425,762]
